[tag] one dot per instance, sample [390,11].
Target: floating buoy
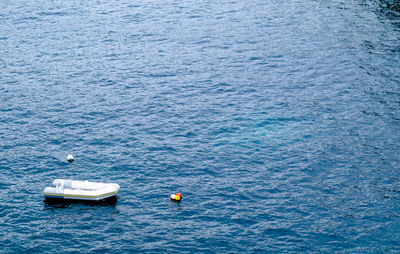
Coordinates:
[176,197]
[70,158]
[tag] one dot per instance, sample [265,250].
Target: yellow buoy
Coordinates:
[176,197]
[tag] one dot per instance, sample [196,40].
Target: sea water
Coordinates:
[278,121]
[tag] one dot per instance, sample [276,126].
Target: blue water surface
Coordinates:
[278,121]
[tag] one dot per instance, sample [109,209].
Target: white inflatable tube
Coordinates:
[81,190]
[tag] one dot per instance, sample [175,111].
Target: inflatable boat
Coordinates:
[63,189]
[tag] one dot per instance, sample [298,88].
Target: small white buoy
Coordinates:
[70,158]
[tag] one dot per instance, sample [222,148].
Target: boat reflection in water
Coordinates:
[111,201]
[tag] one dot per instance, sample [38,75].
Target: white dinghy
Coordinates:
[80,190]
